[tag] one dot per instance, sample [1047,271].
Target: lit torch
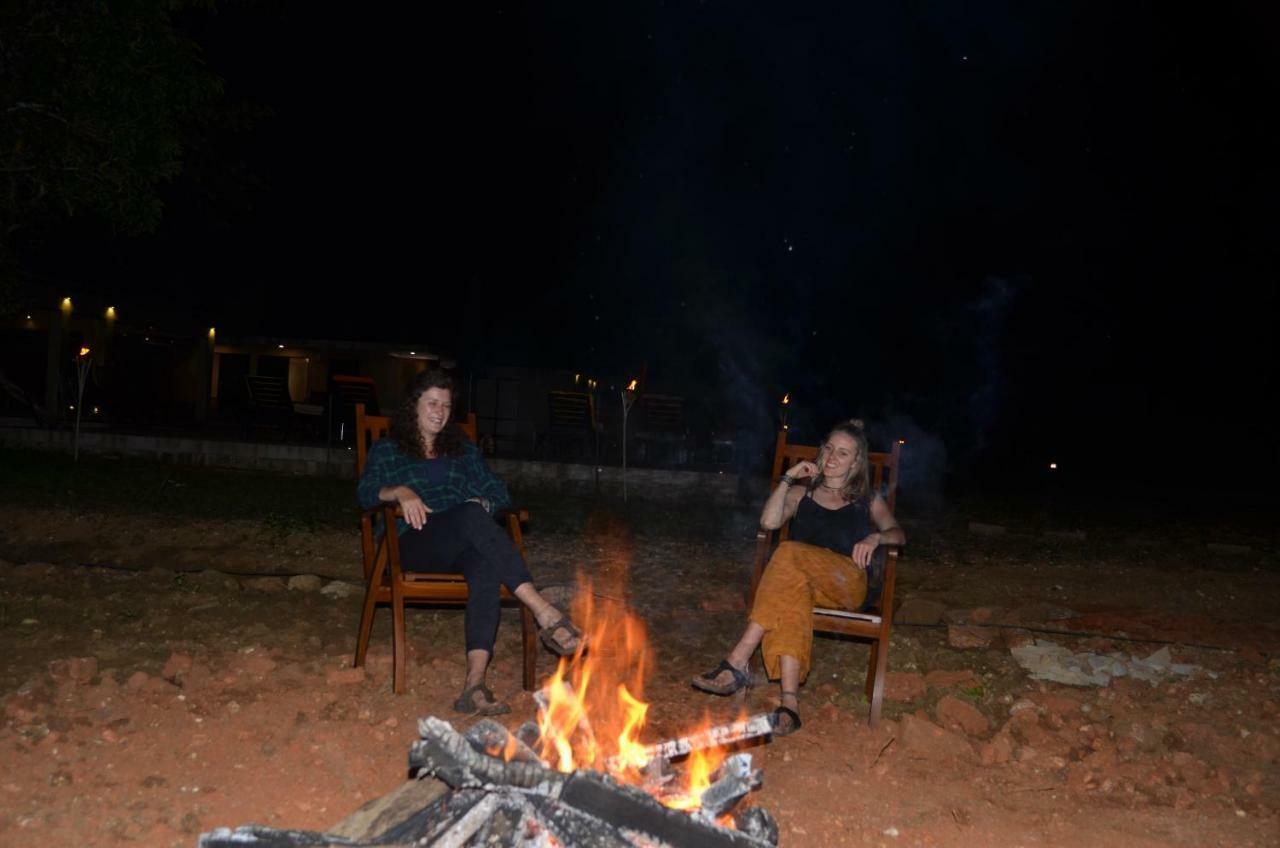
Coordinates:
[83,364]
[628,398]
[782,410]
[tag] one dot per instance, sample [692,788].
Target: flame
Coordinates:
[592,709]
[84,351]
[631,387]
[786,399]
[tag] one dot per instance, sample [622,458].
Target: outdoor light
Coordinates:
[84,351]
[212,333]
[1053,466]
[66,304]
[281,347]
[902,441]
[111,313]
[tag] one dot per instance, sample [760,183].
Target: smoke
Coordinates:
[989,313]
[923,462]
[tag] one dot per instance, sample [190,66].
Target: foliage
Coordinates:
[94,96]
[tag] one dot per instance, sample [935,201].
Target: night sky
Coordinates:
[1015,232]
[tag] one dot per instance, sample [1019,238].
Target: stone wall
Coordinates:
[560,477]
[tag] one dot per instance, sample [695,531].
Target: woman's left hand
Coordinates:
[864,550]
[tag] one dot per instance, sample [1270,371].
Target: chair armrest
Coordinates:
[522,515]
[372,511]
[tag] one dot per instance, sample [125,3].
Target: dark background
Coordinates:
[1012,235]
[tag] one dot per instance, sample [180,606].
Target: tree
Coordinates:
[94,96]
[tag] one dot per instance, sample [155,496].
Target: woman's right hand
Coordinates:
[415,511]
[803,469]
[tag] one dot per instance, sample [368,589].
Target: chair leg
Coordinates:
[877,678]
[398,647]
[868,688]
[529,645]
[372,583]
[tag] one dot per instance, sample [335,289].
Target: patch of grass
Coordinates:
[973,693]
[283,502]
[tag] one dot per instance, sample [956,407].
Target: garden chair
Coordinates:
[270,406]
[387,583]
[871,624]
[571,420]
[345,392]
[661,433]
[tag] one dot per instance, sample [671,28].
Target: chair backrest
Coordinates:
[882,466]
[575,410]
[370,428]
[268,392]
[349,390]
[662,413]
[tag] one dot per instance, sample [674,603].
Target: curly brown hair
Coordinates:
[405,431]
[856,487]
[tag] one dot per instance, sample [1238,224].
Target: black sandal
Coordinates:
[491,706]
[706,680]
[547,635]
[785,720]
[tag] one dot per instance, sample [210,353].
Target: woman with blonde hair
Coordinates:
[833,558]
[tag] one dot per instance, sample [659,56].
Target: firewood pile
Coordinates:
[489,787]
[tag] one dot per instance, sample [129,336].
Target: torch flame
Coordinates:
[84,351]
[786,399]
[631,387]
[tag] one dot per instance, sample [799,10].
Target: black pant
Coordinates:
[467,539]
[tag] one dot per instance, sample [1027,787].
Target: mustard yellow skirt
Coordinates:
[798,578]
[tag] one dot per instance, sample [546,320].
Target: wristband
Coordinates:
[787,481]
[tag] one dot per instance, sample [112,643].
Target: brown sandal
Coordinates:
[490,706]
[548,636]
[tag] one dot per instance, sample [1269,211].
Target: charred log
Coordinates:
[445,754]
[631,809]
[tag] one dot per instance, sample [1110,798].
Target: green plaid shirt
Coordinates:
[466,476]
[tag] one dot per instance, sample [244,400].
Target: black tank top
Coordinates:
[835,529]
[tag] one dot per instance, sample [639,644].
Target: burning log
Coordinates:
[633,810]
[713,737]
[734,780]
[443,753]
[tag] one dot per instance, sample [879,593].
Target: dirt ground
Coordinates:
[157,685]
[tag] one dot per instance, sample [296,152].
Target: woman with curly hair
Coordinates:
[832,559]
[448,495]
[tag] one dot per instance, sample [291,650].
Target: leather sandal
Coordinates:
[548,636]
[785,720]
[490,706]
[706,680]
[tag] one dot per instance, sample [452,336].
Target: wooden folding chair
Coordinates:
[387,583]
[872,624]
